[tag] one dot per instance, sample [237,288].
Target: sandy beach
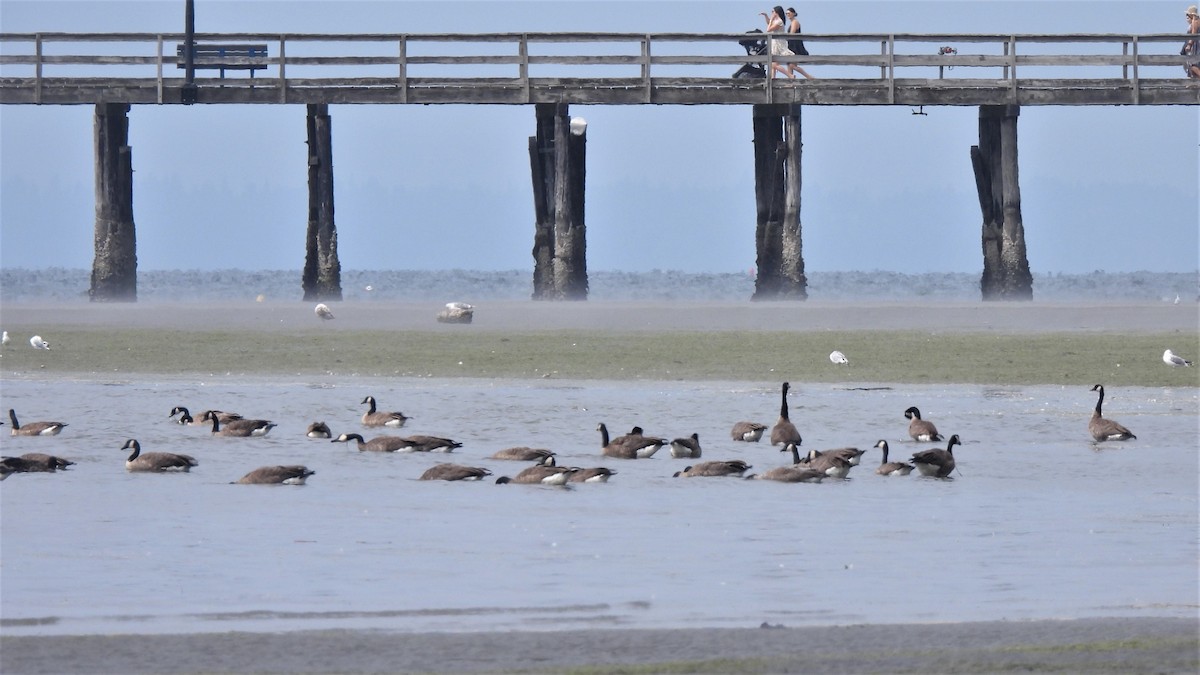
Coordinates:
[1087,645]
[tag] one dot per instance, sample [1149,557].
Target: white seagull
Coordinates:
[839,358]
[38,342]
[1174,361]
[4,340]
[322,311]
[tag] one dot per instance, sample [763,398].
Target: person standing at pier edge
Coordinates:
[796,45]
[775,24]
[1191,48]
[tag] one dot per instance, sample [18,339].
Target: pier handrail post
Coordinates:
[891,68]
[187,93]
[403,65]
[37,68]
[282,68]
[1137,85]
[646,67]
[159,74]
[1011,48]
[523,66]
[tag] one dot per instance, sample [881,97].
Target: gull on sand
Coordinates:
[838,357]
[323,312]
[38,342]
[1174,361]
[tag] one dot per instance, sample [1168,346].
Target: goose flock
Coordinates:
[805,467]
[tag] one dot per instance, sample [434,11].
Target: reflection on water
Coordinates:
[1037,523]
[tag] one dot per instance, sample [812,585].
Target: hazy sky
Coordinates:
[668,187]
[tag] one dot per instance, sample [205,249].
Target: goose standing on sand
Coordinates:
[323,312]
[1105,429]
[750,432]
[239,428]
[377,444]
[156,461]
[33,428]
[887,468]
[38,343]
[921,430]
[784,431]
[629,446]
[455,472]
[733,467]
[688,448]
[277,475]
[318,430]
[937,463]
[1174,361]
[523,454]
[371,418]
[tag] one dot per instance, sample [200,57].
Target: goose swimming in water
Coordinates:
[373,418]
[887,468]
[32,462]
[186,417]
[750,432]
[784,431]
[377,444]
[1103,429]
[239,428]
[523,454]
[921,430]
[688,448]
[630,446]
[598,474]
[542,473]
[33,428]
[277,475]
[937,463]
[318,430]
[733,467]
[156,461]
[455,472]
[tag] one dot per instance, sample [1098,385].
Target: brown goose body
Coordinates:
[937,463]
[598,474]
[156,461]
[431,444]
[374,418]
[545,473]
[523,454]
[33,428]
[32,462]
[277,475]
[241,428]
[749,432]
[377,444]
[784,432]
[832,465]
[1103,429]
[733,467]
[688,448]
[921,430]
[634,445]
[455,472]
[186,418]
[853,456]
[887,468]
[318,430]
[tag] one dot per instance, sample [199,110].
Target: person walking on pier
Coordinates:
[796,45]
[775,24]
[1191,48]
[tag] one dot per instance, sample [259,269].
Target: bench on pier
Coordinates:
[224,57]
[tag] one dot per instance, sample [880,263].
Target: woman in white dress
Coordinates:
[777,24]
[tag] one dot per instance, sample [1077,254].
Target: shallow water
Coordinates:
[1037,523]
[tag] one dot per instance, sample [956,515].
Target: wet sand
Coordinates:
[1091,645]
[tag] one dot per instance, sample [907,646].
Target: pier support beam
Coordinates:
[1006,274]
[557,158]
[322,271]
[114,268]
[777,152]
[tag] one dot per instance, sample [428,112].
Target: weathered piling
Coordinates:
[777,180]
[1006,274]
[114,268]
[322,278]
[557,158]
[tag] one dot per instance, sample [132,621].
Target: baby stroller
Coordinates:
[754,47]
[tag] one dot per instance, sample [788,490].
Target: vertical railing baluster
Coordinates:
[523,66]
[282,68]
[403,74]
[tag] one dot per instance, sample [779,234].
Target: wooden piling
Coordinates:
[114,268]
[1006,274]
[558,168]
[322,278]
[777,181]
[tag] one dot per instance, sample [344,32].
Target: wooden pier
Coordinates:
[549,72]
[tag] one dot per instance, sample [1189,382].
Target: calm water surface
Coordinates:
[1038,523]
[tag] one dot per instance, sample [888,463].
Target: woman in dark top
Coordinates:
[796,46]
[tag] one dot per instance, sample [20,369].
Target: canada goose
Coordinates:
[543,473]
[431,444]
[323,312]
[239,428]
[838,358]
[686,447]
[598,474]
[523,454]
[186,417]
[852,455]
[733,467]
[749,432]
[38,343]
[937,462]
[377,444]
[1174,361]
[318,430]
[784,431]
[33,428]
[156,461]
[34,462]
[831,464]
[629,446]
[794,473]
[887,468]
[455,472]
[371,418]
[921,430]
[1104,429]
[277,475]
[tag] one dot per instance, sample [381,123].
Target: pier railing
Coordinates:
[600,68]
